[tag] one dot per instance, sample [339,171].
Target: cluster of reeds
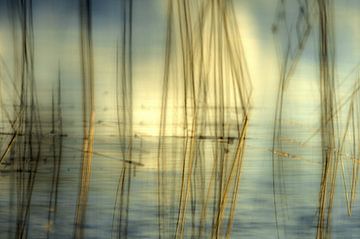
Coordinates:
[30,138]
[24,142]
[335,137]
[205,103]
[24,145]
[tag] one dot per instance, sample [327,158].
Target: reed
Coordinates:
[124,112]
[87,69]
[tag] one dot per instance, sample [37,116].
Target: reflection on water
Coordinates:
[254,216]
[179,119]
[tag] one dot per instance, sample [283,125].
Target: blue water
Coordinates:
[254,217]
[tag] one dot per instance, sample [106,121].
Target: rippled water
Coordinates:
[254,216]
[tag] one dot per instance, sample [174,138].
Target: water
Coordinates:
[254,217]
[124,200]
